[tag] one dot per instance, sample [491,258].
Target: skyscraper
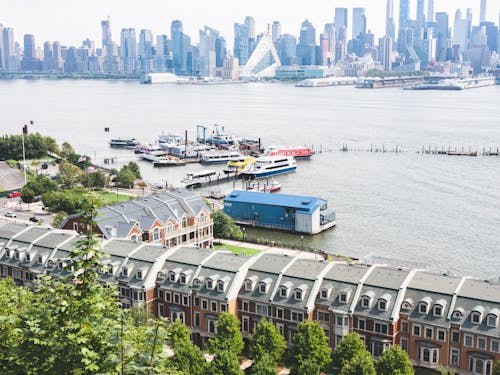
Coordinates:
[2,57]
[161,56]
[241,48]
[307,41]
[30,61]
[276,31]
[252,33]
[288,49]
[340,20]
[208,37]
[390,28]
[430,11]
[128,51]
[180,47]
[330,31]
[358,22]
[420,18]
[385,52]
[404,12]
[106,33]
[461,31]
[146,63]
[482,13]
[442,35]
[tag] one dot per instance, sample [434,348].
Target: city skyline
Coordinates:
[48,20]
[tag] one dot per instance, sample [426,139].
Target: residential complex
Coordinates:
[438,319]
[433,41]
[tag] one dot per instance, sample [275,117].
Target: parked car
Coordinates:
[10,214]
[35,219]
[14,194]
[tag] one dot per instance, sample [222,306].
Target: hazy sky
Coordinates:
[71,21]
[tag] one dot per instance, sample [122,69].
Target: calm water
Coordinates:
[442,211]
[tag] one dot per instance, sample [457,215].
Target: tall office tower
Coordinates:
[340,20]
[478,53]
[241,48]
[179,49]
[420,19]
[128,51]
[30,61]
[330,31]
[110,61]
[405,39]
[207,55]
[430,11]
[323,49]
[146,60]
[48,57]
[404,12]
[220,51]
[288,50]
[57,56]
[276,31]
[491,36]
[252,33]
[442,36]
[358,22]
[341,44]
[2,57]
[390,27]
[482,12]
[461,31]
[307,41]
[106,33]
[162,53]
[385,52]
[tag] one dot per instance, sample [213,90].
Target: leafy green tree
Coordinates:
[361,364]
[394,361]
[28,195]
[265,365]
[224,226]
[224,363]
[228,337]
[134,168]
[310,344]
[306,367]
[496,369]
[69,200]
[41,184]
[178,334]
[348,348]
[96,180]
[126,178]
[66,150]
[69,175]
[188,359]
[267,340]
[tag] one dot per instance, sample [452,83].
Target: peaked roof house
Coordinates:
[170,218]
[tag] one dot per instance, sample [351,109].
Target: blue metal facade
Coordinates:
[268,210]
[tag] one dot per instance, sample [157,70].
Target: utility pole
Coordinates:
[25,131]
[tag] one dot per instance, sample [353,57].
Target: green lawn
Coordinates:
[111,198]
[238,249]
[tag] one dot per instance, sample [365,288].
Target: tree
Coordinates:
[394,361]
[267,340]
[69,175]
[361,364]
[126,178]
[41,184]
[59,218]
[28,195]
[134,168]
[66,150]
[224,363]
[348,348]
[265,365]
[496,369]
[310,345]
[188,359]
[228,337]
[178,334]
[97,180]
[224,226]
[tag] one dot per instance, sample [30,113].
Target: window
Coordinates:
[343,298]
[211,326]
[245,327]
[429,333]
[279,312]
[16,254]
[362,324]
[263,288]
[281,328]
[204,304]
[220,286]
[177,298]
[297,317]
[475,317]
[455,336]
[245,306]
[323,316]
[405,327]
[27,257]
[175,315]
[202,219]
[457,314]
[156,234]
[495,346]
[161,310]
[213,306]
[404,344]
[261,309]
[323,294]
[381,328]
[427,355]
[283,292]
[298,294]
[248,285]
[455,357]
[185,300]
[183,279]
[438,310]
[75,227]
[139,275]
[223,307]
[422,308]
[184,222]
[161,294]
[197,301]
[17,274]
[382,305]
[40,259]
[125,272]
[441,335]
[365,301]
[196,319]
[468,341]
[210,284]
[378,348]
[481,343]
[416,330]
[492,320]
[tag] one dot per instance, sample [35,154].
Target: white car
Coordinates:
[10,214]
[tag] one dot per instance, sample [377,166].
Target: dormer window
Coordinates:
[110,270]
[492,320]
[40,259]
[197,282]
[475,317]
[365,301]
[323,294]
[457,314]
[28,257]
[220,286]
[172,277]
[7,253]
[382,305]
[285,290]
[438,310]
[343,297]
[210,284]
[139,275]
[298,294]
[422,308]
[183,279]
[16,255]
[262,288]
[125,272]
[60,264]
[248,285]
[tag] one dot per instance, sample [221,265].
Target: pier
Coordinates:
[425,150]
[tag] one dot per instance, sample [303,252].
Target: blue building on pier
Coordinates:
[292,213]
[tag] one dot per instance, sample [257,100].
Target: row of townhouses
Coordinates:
[439,320]
[170,218]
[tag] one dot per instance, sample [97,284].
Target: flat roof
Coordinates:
[302,203]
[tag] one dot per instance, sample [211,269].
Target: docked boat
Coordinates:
[146,148]
[219,156]
[271,187]
[236,166]
[299,152]
[269,166]
[195,179]
[217,137]
[161,158]
[121,142]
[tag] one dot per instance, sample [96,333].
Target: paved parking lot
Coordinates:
[24,211]
[10,178]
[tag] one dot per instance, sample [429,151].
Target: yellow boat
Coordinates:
[236,166]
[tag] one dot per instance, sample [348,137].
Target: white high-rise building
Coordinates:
[430,11]
[461,31]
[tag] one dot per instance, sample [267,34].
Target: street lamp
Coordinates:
[25,131]
[302,239]
[243,229]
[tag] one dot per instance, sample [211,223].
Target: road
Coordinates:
[24,211]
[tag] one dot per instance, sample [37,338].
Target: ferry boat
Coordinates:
[215,157]
[236,166]
[121,142]
[194,179]
[270,166]
[146,148]
[161,158]
[300,152]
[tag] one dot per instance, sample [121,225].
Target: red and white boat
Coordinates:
[299,152]
[270,187]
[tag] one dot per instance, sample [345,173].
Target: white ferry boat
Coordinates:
[120,142]
[222,156]
[270,166]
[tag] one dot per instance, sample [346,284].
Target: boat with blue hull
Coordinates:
[267,166]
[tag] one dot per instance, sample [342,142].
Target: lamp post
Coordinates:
[25,131]
[244,237]
[302,239]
